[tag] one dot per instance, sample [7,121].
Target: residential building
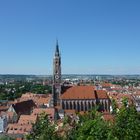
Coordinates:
[3,123]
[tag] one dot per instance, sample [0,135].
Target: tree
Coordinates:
[90,126]
[127,124]
[114,107]
[43,130]
[6,138]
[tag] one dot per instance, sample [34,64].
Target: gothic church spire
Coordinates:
[57,49]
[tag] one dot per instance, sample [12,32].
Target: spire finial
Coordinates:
[57,48]
[56,42]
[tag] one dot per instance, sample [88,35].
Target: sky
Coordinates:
[95,36]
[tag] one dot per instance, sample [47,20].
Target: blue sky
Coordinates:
[95,36]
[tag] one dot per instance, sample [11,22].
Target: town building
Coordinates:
[79,98]
[85,98]
[3,123]
[16,129]
[27,119]
[56,86]
[49,111]
[136,98]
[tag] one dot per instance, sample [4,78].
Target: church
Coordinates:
[78,98]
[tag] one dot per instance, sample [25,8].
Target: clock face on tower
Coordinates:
[56,77]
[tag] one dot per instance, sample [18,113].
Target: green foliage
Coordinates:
[6,138]
[92,126]
[40,89]
[127,124]
[13,91]
[92,129]
[66,120]
[125,102]
[43,130]
[114,107]
[126,82]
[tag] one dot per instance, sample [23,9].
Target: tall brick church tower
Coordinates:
[56,86]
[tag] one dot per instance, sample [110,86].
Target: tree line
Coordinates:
[91,126]
[15,90]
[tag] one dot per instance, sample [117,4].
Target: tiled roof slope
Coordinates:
[24,106]
[101,94]
[48,111]
[79,92]
[27,119]
[19,129]
[83,92]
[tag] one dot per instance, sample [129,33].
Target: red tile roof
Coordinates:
[39,99]
[4,108]
[19,138]
[19,129]
[48,111]
[102,94]
[106,85]
[83,92]
[42,100]
[27,119]
[79,92]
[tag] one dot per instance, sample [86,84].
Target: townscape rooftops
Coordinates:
[18,128]
[107,85]
[43,100]
[49,111]
[27,119]
[4,108]
[39,99]
[31,95]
